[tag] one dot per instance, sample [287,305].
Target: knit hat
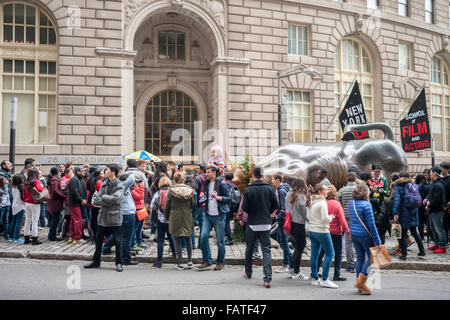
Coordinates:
[437,170]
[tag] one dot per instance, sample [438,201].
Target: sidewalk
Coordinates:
[62,250]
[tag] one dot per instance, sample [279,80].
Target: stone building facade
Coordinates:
[129,73]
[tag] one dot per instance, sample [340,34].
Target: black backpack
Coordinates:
[236,197]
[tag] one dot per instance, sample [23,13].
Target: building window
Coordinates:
[298,39]
[32,80]
[373,4]
[299,116]
[166,112]
[352,61]
[171,45]
[429,11]
[440,104]
[403,8]
[404,56]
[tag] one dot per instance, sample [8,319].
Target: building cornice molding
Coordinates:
[115,53]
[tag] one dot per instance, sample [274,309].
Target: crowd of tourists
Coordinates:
[111,206]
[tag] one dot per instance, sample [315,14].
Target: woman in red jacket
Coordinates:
[138,194]
[337,227]
[32,208]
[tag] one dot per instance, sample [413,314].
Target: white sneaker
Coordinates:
[290,270]
[179,267]
[315,282]
[328,284]
[190,265]
[300,276]
[282,269]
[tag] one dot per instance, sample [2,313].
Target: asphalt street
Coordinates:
[67,280]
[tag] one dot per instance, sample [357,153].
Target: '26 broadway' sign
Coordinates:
[55,160]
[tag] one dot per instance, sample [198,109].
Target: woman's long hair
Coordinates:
[313,191]
[31,179]
[298,187]
[2,182]
[53,172]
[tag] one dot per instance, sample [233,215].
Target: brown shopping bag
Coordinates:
[379,257]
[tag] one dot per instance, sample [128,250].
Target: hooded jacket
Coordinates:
[179,202]
[282,192]
[319,220]
[365,213]
[437,196]
[407,217]
[55,204]
[110,200]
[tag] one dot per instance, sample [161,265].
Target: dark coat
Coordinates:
[58,197]
[179,202]
[407,217]
[223,191]
[259,201]
[77,191]
[437,196]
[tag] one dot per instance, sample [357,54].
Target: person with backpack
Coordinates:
[404,207]
[157,207]
[234,205]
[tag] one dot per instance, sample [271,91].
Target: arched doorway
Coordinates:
[167,111]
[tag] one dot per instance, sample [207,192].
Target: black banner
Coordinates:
[353,112]
[415,127]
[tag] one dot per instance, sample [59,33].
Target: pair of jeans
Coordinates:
[76,223]
[16,223]
[256,248]
[198,220]
[437,228]
[228,232]
[218,223]
[299,233]
[4,219]
[282,239]
[362,246]
[101,233]
[54,218]
[404,240]
[137,234]
[349,252]
[337,246]
[126,233]
[178,245]
[264,238]
[319,240]
[162,230]
[43,215]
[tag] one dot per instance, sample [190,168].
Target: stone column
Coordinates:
[127,106]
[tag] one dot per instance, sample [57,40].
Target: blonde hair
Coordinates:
[332,193]
[164,182]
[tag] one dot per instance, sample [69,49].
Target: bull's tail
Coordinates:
[382,126]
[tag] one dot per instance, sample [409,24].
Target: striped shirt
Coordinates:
[344,197]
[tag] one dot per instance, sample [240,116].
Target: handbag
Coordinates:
[396,231]
[287,226]
[142,214]
[379,257]
[40,196]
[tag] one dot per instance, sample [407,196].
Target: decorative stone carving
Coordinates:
[172,79]
[195,52]
[178,3]
[145,53]
[406,88]
[445,43]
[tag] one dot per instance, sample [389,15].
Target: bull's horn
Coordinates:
[382,126]
[227,161]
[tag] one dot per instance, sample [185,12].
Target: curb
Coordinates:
[423,266]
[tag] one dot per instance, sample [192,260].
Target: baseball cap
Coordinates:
[79,169]
[437,170]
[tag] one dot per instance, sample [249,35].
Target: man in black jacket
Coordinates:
[435,202]
[77,198]
[259,202]
[445,166]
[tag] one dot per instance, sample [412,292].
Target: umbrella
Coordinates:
[141,155]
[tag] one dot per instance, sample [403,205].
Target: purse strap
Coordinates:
[354,206]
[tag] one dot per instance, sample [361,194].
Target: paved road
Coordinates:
[41,279]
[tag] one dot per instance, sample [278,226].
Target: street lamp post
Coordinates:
[306,70]
[12,136]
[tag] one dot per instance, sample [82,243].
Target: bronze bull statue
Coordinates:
[304,160]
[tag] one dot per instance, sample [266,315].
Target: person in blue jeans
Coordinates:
[282,190]
[18,208]
[5,205]
[319,234]
[128,223]
[162,226]
[363,232]
[216,208]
